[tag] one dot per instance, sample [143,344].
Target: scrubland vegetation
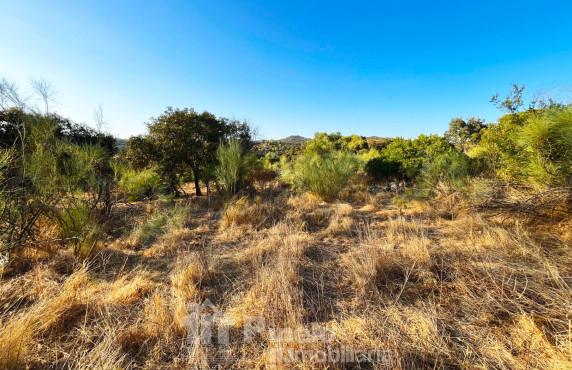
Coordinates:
[446,252]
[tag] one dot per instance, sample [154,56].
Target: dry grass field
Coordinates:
[434,284]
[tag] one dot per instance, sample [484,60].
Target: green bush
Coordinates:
[380,168]
[79,179]
[499,152]
[413,154]
[547,141]
[171,218]
[52,169]
[78,228]
[452,169]
[231,167]
[531,147]
[323,143]
[326,175]
[139,185]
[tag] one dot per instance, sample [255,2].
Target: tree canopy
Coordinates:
[464,134]
[323,143]
[183,140]
[15,121]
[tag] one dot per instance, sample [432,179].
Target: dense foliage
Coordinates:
[404,158]
[181,141]
[15,122]
[465,134]
[49,173]
[533,146]
[139,184]
[323,143]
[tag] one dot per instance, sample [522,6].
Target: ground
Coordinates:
[428,284]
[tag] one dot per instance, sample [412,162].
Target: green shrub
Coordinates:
[171,218]
[366,155]
[78,179]
[139,185]
[326,175]
[78,228]
[272,158]
[499,152]
[147,231]
[52,170]
[452,169]
[381,168]
[286,170]
[412,154]
[547,141]
[531,147]
[231,167]
[323,143]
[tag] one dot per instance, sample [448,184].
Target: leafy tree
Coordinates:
[513,101]
[182,140]
[84,135]
[463,133]
[323,143]
[241,131]
[140,152]
[15,122]
[355,143]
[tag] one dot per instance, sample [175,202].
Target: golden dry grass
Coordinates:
[434,284]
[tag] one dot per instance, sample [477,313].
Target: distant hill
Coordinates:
[289,146]
[377,142]
[121,143]
[294,139]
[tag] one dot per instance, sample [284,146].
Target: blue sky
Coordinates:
[290,67]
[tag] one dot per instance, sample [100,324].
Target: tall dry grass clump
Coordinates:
[49,313]
[256,213]
[342,222]
[276,293]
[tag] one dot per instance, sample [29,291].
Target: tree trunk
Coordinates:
[182,189]
[197,187]
[196,177]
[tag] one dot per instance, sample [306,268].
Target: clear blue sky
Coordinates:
[383,68]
